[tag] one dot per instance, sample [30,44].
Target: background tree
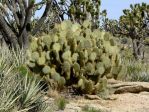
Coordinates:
[74,10]
[133,24]
[16,17]
[17,20]
[80,10]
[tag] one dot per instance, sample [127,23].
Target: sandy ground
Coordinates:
[124,102]
[127,102]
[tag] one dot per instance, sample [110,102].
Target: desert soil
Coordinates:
[127,102]
[123,102]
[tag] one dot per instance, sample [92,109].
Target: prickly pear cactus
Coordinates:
[74,55]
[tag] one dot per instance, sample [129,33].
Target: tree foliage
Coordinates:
[80,10]
[134,24]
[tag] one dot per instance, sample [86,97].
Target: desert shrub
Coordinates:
[127,53]
[19,92]
[136,70]
[74,55]
[61,103]
[86,108]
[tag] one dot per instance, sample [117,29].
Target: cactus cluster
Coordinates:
[74,55]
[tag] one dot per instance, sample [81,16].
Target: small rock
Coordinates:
[92,97]
[111,98]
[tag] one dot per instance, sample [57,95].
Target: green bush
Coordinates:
[74,55]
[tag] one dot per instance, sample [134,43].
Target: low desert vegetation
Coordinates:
[61,103]
[19,90]
[72,46]
[86,108]
[137,70]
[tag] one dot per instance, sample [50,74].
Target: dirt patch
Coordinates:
[128,102]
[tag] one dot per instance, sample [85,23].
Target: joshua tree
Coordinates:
[133,24]
[80,10]
[16,17]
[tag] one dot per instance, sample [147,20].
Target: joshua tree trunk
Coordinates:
[138,52]
[15,20]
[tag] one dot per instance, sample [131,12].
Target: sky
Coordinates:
[114,7]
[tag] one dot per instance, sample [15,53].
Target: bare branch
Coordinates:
[42,19]
[10,35]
